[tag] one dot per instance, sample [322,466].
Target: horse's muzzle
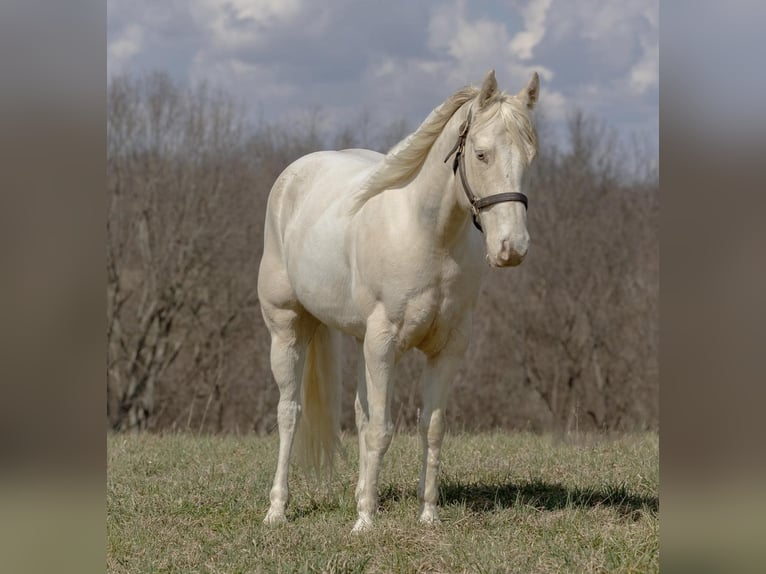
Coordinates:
[509,255]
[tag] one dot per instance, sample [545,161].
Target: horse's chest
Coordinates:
[431,313]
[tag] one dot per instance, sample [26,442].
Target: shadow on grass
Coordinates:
[325,506]
[480,497]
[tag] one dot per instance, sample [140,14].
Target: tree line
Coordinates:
[567,340]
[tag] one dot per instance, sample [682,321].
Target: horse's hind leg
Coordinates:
[290,333]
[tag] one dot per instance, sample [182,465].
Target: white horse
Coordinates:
[384,248]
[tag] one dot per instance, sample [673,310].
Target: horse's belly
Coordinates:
[317,240]
[330,301]
[320,274]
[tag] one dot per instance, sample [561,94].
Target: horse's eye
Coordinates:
[481,156]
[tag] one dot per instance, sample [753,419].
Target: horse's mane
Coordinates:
[406,158]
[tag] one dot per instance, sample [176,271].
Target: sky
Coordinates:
[400,59]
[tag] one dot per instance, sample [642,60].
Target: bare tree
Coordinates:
[585,314]
[174,159]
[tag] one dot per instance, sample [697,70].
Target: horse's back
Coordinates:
[318,180]
[362,153]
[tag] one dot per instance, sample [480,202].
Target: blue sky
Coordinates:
[400,59]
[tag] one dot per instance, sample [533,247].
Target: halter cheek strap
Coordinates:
[458,165]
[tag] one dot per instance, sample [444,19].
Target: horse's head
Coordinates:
[499,146]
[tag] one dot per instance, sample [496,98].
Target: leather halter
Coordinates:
[477,203]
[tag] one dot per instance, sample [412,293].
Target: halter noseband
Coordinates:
[477,203]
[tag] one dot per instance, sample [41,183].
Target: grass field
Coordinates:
[509,503]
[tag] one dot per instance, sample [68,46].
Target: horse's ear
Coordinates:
[488,88]
[529,94]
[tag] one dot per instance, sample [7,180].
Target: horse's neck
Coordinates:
[433,192]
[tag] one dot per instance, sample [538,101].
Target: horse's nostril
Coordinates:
[510,253]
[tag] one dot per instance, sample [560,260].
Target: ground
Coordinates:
[510,502]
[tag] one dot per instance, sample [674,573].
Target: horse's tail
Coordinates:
[317,438]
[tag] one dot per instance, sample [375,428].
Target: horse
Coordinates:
[388,249]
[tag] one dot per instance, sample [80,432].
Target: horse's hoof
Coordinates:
[273,517]
[429,518]
[362,525]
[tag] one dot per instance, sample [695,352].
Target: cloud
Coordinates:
[524,42]
[476,45]
[606,57]
[121,50]
[645,73]
[399,59]
[554,105]
[242,23]
[263,11]
[450,31]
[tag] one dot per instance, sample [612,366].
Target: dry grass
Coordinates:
[509,503]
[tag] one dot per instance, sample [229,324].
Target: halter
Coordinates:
[477,203]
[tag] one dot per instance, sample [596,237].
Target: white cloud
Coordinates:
[645,73]
[610,49]
[237,23]
[534,15]
[476,45]
[477,40]
[554,105]
[121,50]
[279,56]
[264,10]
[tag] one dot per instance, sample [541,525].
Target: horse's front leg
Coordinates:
[437,377]
[379,362]
[362,410]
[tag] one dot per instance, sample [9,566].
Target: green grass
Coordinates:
[509,503]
